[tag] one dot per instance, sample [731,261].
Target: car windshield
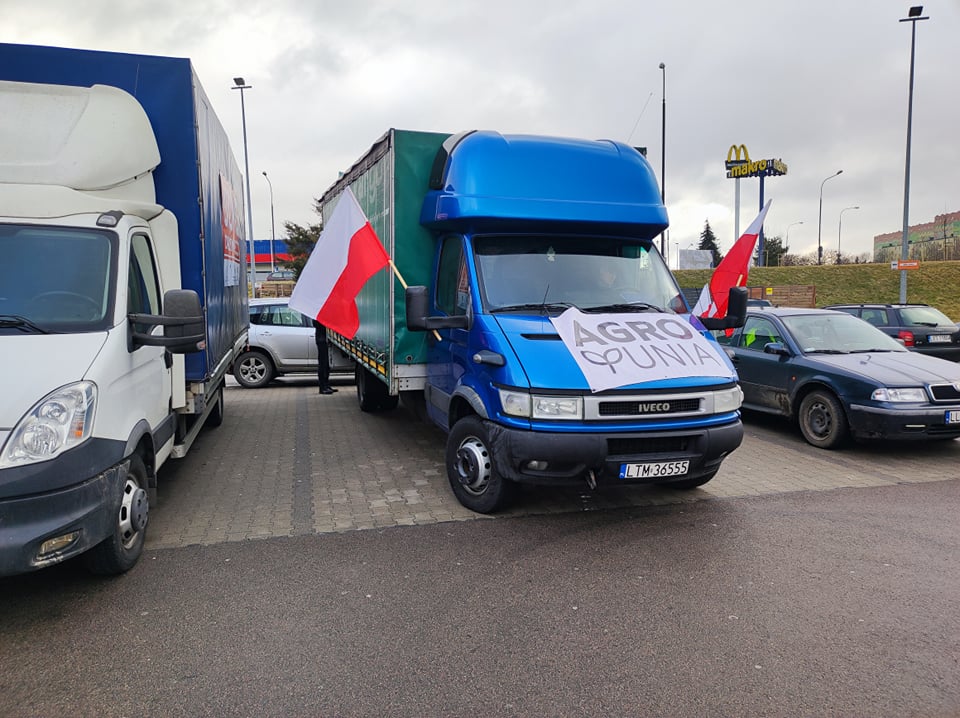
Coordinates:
[837,332]
[520,273]
[925,317]
[55,279]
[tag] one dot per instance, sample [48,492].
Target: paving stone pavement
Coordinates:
[288,461]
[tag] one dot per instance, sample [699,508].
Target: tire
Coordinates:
[215,417]
[253,369]
[372,394]
[685,484]
[823,422]
[471,470]
[120,551]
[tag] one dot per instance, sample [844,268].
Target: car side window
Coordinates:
[876,317]
[757,333]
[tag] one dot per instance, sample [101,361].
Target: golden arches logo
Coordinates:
[737,154]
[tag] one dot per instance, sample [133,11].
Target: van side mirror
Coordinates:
[417,299]
[184,326]
[736,311]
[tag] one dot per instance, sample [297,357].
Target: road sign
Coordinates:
[908,264]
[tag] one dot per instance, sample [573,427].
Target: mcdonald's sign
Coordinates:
[739,164]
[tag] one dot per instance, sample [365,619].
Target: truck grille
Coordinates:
[945,392]
[648,407]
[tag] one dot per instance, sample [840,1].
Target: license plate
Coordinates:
[938,339]
[658,469]
[953,417]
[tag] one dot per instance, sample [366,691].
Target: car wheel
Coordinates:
[253,369]
[689,483]
[471,470]
[823,422]
[121,550]
[372,394]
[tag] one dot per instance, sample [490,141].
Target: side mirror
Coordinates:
[184,326]
[776,348]
[736,311]
[417,302]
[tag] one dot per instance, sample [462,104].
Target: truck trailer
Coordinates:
[495,236]
[123,299]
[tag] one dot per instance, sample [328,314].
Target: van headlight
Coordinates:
[727,400]
[61,420]
[521,403]
[899,395]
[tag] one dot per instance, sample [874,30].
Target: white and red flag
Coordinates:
[346,255]
[731,272]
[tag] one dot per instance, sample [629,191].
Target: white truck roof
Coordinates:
[91,139]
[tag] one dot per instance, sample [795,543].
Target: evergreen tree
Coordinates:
[300,242]
[709,242]
[774,251]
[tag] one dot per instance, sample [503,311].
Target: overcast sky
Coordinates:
[820,84]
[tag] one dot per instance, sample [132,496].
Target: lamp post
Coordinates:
[663,148]
[820,219]
[239,84]
[913,16]
[273,227]
[839,228]
[786,242]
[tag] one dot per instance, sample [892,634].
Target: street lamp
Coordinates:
[273,227]
[663,148]
[913,16]
[820,219]
[839,228]
[239,84]
[786,241]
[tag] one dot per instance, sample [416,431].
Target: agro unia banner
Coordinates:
[615,350]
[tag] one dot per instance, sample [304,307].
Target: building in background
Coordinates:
[261,257]
[931,241]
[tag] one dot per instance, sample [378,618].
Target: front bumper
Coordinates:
[570,458]
[27,522]
[910,422]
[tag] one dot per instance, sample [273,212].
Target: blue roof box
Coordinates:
[485,181]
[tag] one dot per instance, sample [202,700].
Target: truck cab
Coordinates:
[526,229]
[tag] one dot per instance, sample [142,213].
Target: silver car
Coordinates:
[281,341]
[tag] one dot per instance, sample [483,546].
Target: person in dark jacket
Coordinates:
[323,358]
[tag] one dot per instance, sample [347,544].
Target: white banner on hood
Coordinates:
[615,350]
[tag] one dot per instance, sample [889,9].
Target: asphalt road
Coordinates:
[825,601]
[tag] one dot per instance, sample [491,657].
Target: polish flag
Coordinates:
[731,272]
[346,255]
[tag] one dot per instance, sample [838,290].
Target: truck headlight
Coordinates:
[898,395]
[520,403]
[727,400]
[61,420]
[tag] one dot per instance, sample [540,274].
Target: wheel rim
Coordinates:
[252,370]
[473,466]
[134,512]
[820,420]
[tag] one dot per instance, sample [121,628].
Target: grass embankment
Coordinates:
[934,283]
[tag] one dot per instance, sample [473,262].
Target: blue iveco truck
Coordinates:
[496,236]
[123,299]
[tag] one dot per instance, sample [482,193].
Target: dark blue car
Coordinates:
[838,376]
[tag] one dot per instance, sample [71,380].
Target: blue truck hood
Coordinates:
[550,365]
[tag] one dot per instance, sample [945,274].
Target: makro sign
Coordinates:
[740,165]
[621,349]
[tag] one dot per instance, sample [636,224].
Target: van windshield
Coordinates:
[55,279]
[519,273]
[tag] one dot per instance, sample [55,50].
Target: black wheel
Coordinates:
[253,369]
[822,420]
[372,394]
[215,417]
[471,470]
[121,550]
[689,483]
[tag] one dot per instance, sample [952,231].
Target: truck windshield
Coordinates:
[55,279]
[519,273]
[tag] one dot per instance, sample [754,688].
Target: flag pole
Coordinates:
[403,284]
